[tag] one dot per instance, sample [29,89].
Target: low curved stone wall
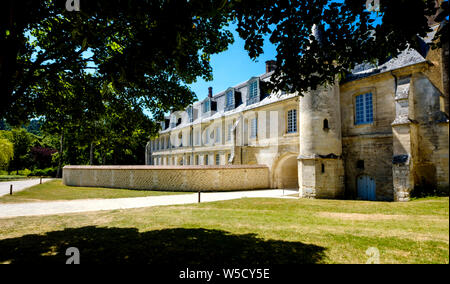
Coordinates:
[170,178]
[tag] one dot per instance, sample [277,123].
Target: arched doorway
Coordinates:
[286,172]
[366,188]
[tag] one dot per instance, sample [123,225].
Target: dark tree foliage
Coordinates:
[345,35]
[148,51]
[42,156]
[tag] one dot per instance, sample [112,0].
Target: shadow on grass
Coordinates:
[168,246]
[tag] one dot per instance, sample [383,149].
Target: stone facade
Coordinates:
[379,134]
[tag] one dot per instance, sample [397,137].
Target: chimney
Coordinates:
[271,65]
[210,94]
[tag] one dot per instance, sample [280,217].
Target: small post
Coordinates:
[199,197]
[10,189]
[40,180]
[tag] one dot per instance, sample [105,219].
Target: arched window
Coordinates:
[325,124]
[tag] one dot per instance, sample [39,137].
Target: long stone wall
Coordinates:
[170,178]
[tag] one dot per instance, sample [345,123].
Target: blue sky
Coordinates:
[233,66]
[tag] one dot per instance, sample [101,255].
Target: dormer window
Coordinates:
[229,98]
[233,99]
[166,123]
[253,94]
[190,112]
[207,106]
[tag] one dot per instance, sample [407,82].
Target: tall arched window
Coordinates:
[325,124]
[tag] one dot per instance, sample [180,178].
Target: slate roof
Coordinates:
[219,98]
[407,57]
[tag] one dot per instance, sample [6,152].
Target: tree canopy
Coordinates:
[6,153]
[149,51]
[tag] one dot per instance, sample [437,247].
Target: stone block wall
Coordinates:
[170,178]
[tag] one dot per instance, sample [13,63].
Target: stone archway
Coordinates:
[286,172]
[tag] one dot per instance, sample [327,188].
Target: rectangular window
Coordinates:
[253,92]
[229,98]
[254,128]
[196,160]
[197,138]
[364,109]
[207,135]
[230,129]
[292,121]
[190,112]
[206,106]
[217,135]
[206,159]
[217,159]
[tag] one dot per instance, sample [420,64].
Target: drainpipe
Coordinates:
[242,122]
[395,80]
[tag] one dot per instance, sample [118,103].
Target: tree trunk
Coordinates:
[91,154]
[59,172]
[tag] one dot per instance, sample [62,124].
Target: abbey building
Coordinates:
[379,134]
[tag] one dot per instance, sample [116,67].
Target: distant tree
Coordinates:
[22,141]
[34,126]
[6,153]
[42,157]
[4,125]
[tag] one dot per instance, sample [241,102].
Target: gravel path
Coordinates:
[86,205]
[19,185]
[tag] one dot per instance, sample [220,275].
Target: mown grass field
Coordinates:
[55,190]
[245,232]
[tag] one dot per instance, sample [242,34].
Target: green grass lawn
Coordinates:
[55,190]
[238,232]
